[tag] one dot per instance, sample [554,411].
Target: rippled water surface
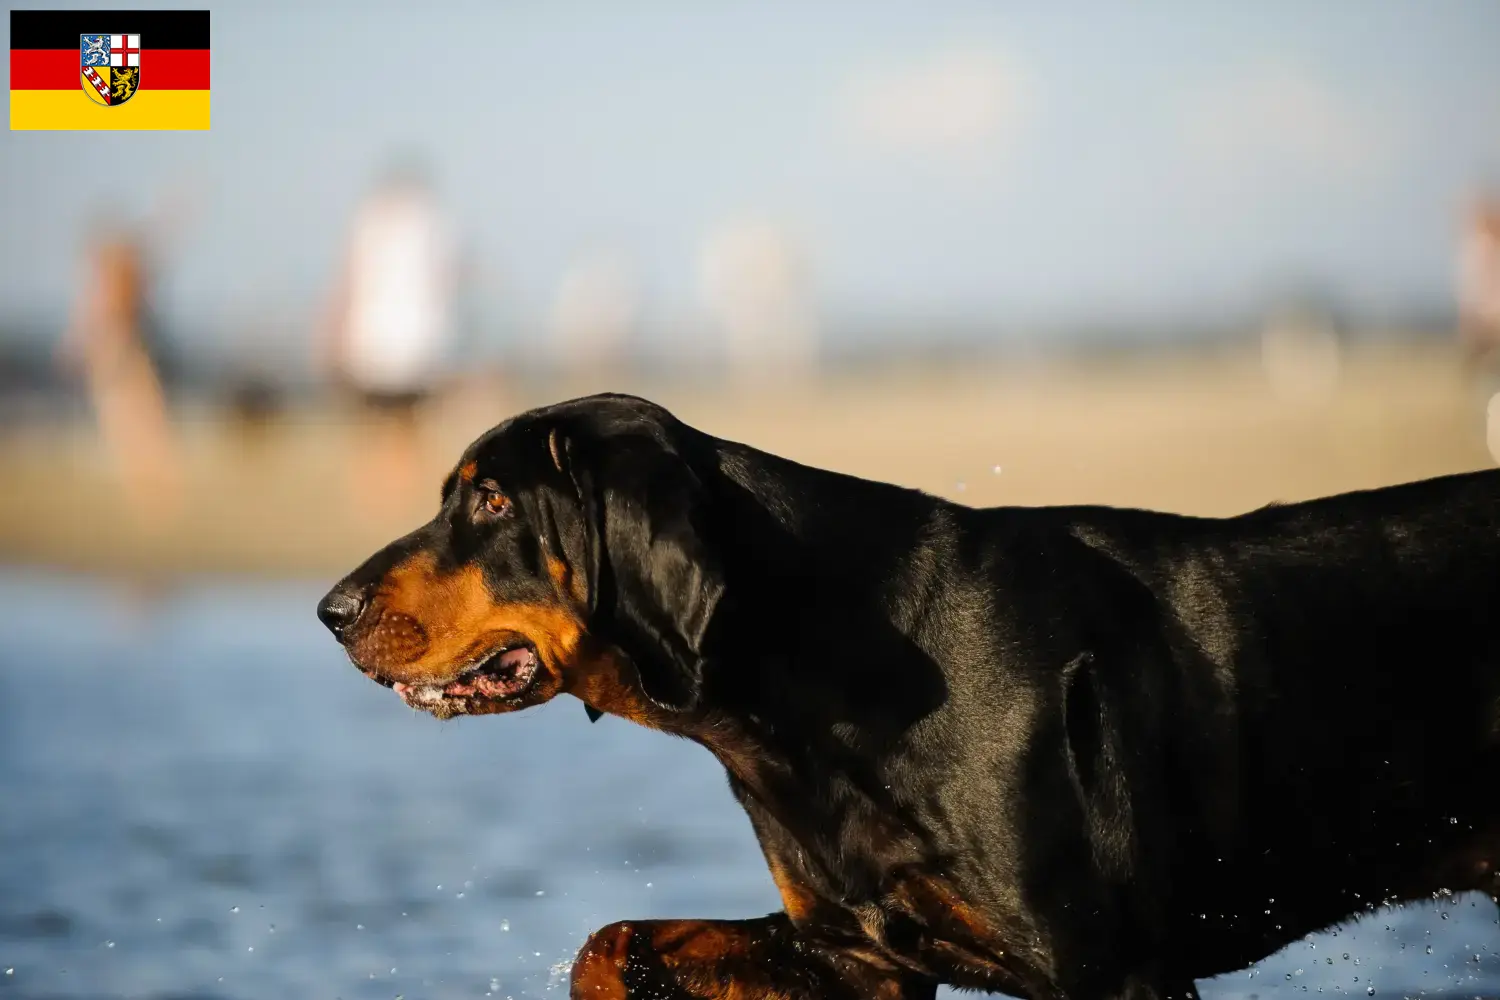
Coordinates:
[199,798]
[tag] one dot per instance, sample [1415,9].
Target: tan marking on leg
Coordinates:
[599,970]
[758,959]
[795,898]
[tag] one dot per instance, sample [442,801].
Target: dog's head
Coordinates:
[569,554]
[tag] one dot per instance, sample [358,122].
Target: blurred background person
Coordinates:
[391,324]
[595,314]
[756,284]
[113,344]
[1479,281]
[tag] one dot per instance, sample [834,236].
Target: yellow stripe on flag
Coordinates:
[74,110]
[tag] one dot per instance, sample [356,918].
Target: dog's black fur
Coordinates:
[1059,752]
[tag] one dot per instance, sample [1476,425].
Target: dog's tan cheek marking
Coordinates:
[467,470]
[552,447]
[458,612]
[431,624]
[395,639]
[420,616]
[396,635]
[461,620]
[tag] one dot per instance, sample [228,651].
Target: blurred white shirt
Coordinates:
[399,305]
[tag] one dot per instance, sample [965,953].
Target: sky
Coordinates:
[1001,166]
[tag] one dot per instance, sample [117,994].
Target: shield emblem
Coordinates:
[110,67]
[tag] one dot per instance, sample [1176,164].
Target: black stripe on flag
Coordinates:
[59,29]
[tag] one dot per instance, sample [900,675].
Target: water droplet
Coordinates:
[234,909]
[540,892]
[1346,956]
[109,944]
[648,885]
[359,927]
[1445,916]
[1429,949]
[459,896]
[251,948]
[10,972]
[1370,991]
[505,925]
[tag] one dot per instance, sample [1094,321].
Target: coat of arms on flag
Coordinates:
[110,66]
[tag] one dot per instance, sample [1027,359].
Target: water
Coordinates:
[200,799]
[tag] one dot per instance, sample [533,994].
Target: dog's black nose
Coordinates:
[340,608]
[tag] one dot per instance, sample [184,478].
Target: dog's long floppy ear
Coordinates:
[657,582]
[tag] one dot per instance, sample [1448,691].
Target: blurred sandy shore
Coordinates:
[1209,435]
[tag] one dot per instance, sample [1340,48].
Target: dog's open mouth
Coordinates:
[501,675]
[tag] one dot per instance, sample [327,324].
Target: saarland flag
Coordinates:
[109,69]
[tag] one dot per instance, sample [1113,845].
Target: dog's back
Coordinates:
[1338,664]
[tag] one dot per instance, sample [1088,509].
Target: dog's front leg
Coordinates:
[757,959]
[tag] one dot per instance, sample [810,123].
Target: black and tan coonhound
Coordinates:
[1057,752]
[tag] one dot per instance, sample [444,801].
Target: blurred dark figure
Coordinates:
[390,323]
[255,401]
[1479,282]
[111,344]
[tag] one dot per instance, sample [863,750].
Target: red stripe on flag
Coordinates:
[59,69]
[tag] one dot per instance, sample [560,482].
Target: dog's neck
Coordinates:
[814,572]
[807,561]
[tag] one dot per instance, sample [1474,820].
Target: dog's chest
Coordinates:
[922,921]
[853,872]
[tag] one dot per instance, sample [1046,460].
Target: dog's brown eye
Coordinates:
[494,502]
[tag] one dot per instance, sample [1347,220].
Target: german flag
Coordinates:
[109,69]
